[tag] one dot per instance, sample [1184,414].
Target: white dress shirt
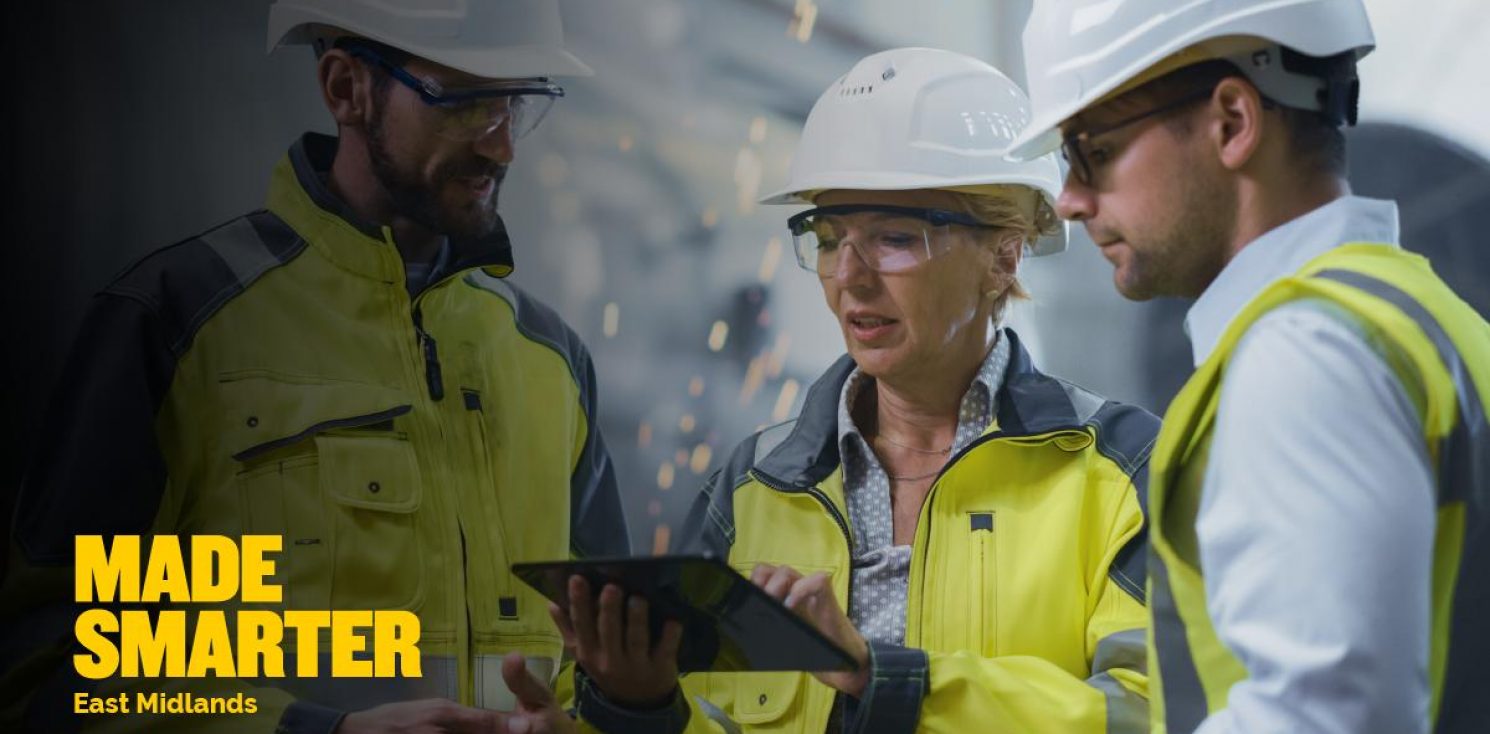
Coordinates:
[1317,522]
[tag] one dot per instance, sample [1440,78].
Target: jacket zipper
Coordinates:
[431,351]
[446,516]
[979,441]
[848,538]
[433,377]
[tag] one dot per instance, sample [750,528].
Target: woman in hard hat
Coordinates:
[970,529]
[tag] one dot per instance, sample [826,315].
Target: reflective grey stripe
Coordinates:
[1126,649]
[1127,435]
[1465,455]
[1126,711]
[771,437]
[716,715]
[1184,698]
[240,247]
[1084,404]
[490,688]
[1463,476]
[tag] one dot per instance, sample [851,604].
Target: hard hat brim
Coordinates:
[894,181]
[517,62]
[1040,138]
[508,62]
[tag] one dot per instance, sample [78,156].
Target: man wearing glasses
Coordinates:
[1320,487]
[348,370]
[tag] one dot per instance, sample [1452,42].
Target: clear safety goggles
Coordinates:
[889,239]
[466,113]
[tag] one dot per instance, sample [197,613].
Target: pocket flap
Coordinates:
[262,413]
[372,473]
[762,697]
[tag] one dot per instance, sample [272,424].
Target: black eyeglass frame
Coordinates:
[1071,145]
[797,223]
[431,91]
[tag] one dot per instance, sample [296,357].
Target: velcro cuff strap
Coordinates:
[899,678]
[609,717]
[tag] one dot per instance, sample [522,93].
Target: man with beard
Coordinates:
[346,369]
[1320,488]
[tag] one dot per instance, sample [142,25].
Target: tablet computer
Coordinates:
[729,624]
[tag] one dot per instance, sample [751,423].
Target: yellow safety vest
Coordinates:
[1435,342]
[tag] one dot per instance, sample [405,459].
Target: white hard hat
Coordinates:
[495,39]
[919,118]
[1080,51]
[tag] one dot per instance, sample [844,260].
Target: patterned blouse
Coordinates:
[881,569]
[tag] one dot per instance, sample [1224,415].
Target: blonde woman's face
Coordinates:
[929,322]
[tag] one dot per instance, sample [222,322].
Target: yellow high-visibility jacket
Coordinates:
[273,376]
[1025,609]
[1440,348]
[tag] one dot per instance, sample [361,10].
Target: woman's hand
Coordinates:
[614,646]
[812,597]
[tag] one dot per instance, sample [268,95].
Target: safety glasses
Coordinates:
[1085,157]
[469,113]
[889,239]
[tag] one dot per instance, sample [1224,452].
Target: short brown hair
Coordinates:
[1317,143]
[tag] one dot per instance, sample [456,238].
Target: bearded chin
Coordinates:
[420,202]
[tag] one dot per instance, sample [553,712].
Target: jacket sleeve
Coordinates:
[98,470]
[597,519]
[704,531]
[917,690]
[95,469]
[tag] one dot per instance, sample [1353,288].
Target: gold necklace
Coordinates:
[913,477]
[916,477]
[893,442]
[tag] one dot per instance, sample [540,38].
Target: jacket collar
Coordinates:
[299,195]
[1029,403]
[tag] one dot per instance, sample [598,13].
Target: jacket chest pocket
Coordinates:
[981,546]
[321,466]
[962,602]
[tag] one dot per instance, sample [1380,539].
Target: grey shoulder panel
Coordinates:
[1084,403]
[710,527]
[807,449]
[186,283]
[96,467]
[1126,435]
[771,437]
[540,323]
[597,524]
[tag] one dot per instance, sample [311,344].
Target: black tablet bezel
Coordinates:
[701,648]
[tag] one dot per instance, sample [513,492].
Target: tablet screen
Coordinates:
[728,623]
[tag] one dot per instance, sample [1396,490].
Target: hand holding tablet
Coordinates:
[727,623]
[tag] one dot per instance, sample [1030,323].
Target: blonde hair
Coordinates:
[1010,207]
